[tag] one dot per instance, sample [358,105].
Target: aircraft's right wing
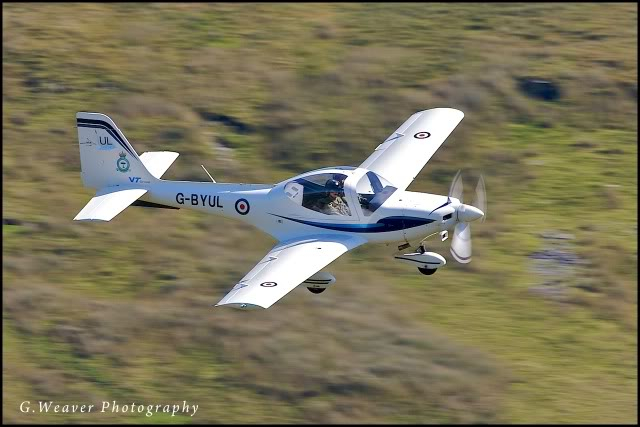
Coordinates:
[286,266]
[403,155]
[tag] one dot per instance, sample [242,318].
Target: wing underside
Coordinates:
[403,155]
[286,266]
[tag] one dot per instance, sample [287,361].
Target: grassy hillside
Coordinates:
[540,328]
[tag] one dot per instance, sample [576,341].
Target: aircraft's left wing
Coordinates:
[286,266]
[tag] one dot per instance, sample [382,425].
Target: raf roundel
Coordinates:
[268,284]
[422,135]
[242,206]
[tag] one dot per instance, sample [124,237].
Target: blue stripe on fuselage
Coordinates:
[392,223]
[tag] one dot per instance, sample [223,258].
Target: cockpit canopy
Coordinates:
[322,192]
[336,191]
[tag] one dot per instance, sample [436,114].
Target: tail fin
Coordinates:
[106,157]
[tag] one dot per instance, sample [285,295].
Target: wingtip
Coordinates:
[448,110]
[242,306]
[83,219]
[456,111]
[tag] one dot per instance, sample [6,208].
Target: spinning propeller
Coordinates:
[461,242]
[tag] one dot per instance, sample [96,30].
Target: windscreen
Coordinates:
[373,191]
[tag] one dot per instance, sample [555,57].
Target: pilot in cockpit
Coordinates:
[335,202]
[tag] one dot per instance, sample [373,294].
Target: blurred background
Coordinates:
[540,328]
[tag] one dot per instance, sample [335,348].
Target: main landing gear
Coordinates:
[426,262]
[426,271]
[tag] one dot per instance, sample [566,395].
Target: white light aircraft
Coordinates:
[316,216]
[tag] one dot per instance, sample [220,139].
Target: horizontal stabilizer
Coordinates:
[108,203]
[157,162]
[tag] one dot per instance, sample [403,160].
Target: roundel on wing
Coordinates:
[242,206]
[268,284]
[422,135]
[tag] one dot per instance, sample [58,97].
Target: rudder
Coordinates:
[106,157]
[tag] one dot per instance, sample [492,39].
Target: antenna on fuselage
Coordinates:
[205,169]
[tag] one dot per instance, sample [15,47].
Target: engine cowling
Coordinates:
[319,282]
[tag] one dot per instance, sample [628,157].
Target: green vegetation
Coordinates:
[122,310]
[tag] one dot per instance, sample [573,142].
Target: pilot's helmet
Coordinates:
[333,185]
